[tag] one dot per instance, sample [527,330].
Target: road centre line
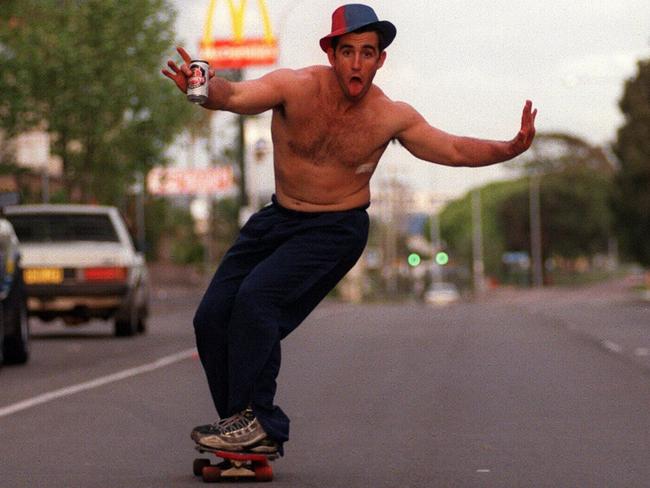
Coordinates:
[612,346]
[96,383]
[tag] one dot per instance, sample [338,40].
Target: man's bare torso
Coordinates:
[324,155]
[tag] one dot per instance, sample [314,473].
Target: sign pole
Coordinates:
[238,75]
[232,55]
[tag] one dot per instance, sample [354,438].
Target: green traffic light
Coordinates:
[414,259]
[442,258]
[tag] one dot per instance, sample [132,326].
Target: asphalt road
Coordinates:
[545,391]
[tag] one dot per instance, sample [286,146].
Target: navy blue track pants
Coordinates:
[282,265]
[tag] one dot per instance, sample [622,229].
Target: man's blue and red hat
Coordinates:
[351,17]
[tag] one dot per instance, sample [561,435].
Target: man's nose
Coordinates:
[356,62]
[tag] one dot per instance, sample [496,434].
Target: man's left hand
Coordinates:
[524,138]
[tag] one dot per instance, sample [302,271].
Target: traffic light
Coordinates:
[414,259]
[442,258]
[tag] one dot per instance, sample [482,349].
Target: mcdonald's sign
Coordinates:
[238,51]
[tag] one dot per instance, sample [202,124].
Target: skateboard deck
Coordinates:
[243,466]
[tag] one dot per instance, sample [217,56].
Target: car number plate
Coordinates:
[43,276]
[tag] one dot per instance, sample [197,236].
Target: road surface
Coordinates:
[545,391]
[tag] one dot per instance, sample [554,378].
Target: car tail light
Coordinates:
[105,274]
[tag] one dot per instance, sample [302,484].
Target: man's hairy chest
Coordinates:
[327,138]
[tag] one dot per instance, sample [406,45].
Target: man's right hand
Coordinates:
[182,74]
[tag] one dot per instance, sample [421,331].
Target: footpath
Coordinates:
[611,291]
[612,315]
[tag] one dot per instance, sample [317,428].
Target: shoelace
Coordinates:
[233,423]
[239,423]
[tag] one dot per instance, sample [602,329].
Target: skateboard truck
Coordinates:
[244,466]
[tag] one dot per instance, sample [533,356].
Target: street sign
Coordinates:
[219,181]
[239,51]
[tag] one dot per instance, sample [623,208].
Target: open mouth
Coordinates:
[356,85]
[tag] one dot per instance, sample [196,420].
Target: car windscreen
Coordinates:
[63,227]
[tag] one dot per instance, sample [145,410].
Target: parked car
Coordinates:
[442,294]
[79,263]
[14,325]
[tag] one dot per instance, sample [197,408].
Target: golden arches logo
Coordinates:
[239,51]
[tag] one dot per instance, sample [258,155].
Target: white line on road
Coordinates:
[642,351]
[612,346]
[96,383]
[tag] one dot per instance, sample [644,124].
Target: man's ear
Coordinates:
[331,56]
[382,59]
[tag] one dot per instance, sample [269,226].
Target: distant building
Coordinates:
[397,202]
[30,151]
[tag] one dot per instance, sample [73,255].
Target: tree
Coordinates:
[631,201]
[88,72]
[456,225]
[576,181]
[575,215]
[554,152]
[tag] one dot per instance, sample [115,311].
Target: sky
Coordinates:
[469,66]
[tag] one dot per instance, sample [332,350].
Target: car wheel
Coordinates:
[142,320]
[142,326]
[127,326]
[16,321]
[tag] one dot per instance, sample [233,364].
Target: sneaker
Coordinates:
[265,446]
[209,429]
[235,433]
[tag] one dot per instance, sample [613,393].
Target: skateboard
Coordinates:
[244,466]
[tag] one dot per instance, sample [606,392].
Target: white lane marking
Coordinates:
[612,346]
[642,351]
[96,383]
[483,470]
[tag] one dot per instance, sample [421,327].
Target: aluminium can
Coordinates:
[197,84]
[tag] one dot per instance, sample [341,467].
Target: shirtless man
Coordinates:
[330,127]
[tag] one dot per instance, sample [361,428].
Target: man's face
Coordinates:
[355,62]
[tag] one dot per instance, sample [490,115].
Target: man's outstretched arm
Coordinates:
[245,97]
[431,144]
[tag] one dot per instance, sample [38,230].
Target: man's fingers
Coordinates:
[186,57]
[528,115]
[525,114]
[174,67]
[527,131]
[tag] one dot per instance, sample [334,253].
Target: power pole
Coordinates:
[139,211]
[536,230]
[477,243]
[238,75]
[434,233]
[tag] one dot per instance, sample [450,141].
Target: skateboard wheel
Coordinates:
[264,473]
[199,464]
[211,474]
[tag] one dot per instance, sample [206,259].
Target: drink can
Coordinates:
[197,84]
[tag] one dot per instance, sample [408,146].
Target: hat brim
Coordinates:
[388,30]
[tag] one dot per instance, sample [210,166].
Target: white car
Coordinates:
[14,326]
[79,263]
[442,294]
